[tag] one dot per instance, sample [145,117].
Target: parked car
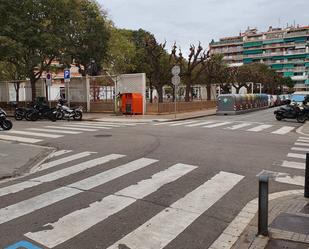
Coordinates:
[299,97]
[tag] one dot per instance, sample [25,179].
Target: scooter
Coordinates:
[292,112]
[4,122]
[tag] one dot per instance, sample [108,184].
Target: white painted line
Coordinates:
[98,125]
[64,160]
[160,230]
[284,130]
[200,124]
[30,205]
[83,219]
[58,174]
[238,126]
[59,153]
[300,149]
[20,139]
[293,180]
[36,134]
[304,138]
[260,128]
[88,127]
[183,123]
[166,123]
[302,144]
[54,131]
[295,155]
[216,125]
[294,165]
[70,128]
[111,123]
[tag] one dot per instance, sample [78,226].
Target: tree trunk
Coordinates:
[33,89]
[237,89]
[160,94]
[188,90]
[208,88]
[17,86]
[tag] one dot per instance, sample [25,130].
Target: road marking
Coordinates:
[70,128]
[23,244]
[216,125]
[20,139]
[97,125]
[302,144]
[64,160]
[83,219]
[88,126]
[300,149]
[293,180]
[35,134]
[294,165]
[200,124]
[238,126]
[260,128]
[303,140]
[58,174]
[295,155]
[183,123]
[284,130]
[59,153]
[30,205]
[166,123]
[54,131]
[111,123]
[157,232]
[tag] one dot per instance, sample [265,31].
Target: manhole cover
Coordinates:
[103,135]
[284,244]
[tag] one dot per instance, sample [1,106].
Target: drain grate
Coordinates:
[103,135]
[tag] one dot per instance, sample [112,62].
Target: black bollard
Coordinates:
[306,190]
[263,206]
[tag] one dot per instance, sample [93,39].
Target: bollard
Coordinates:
[263,206]
[306,190]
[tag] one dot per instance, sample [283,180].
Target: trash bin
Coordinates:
[132,103]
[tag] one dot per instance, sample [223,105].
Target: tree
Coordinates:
[37,32]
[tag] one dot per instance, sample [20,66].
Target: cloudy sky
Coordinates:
[190,21]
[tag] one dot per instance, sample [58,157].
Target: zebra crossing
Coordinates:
[296,161]
[35,135]
[163,227]
[231,125]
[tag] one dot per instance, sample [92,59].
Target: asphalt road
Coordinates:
[156,185]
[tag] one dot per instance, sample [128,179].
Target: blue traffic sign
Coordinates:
[67,74]
[23,245]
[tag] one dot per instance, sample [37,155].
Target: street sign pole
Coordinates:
[175,82]
[67,78]
[175,100]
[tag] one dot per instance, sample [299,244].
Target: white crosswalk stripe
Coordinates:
[58,174]
[296,155]
[288,179]
[294,165]
[112,123]
[179,215]
[302,140]
[83,219]
[36,134]
[200,124]
[238,126]
[284,130]
[260,128]
[59,153]
[216,125]
[92,128]
[300,149]
[30,205]
[70,128]
[97,125]
[166,123]
[302,144]
[55,131]
[64,160]
[182,123]
[20,139]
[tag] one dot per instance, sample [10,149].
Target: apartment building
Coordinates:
[285,50]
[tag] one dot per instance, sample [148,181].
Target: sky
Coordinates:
[190,21]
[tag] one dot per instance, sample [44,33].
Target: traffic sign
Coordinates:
[176,80]
[48,79]
[176,70]
[67,75]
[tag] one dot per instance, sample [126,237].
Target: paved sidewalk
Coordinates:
[288,225]
[147,118]
[304,130]
[17,159]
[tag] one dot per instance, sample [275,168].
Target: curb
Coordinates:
[234,230]
[300,130]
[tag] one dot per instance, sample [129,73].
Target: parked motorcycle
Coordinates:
[64,112]
[41,111]
[4,122]
[23,112]
[292,112]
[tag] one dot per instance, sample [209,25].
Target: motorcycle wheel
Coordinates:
[34,116]
[19,116]
[301,119]
[279,117]
[6,125]
[78,116]
[28,116]
[60,115]
[53,117]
